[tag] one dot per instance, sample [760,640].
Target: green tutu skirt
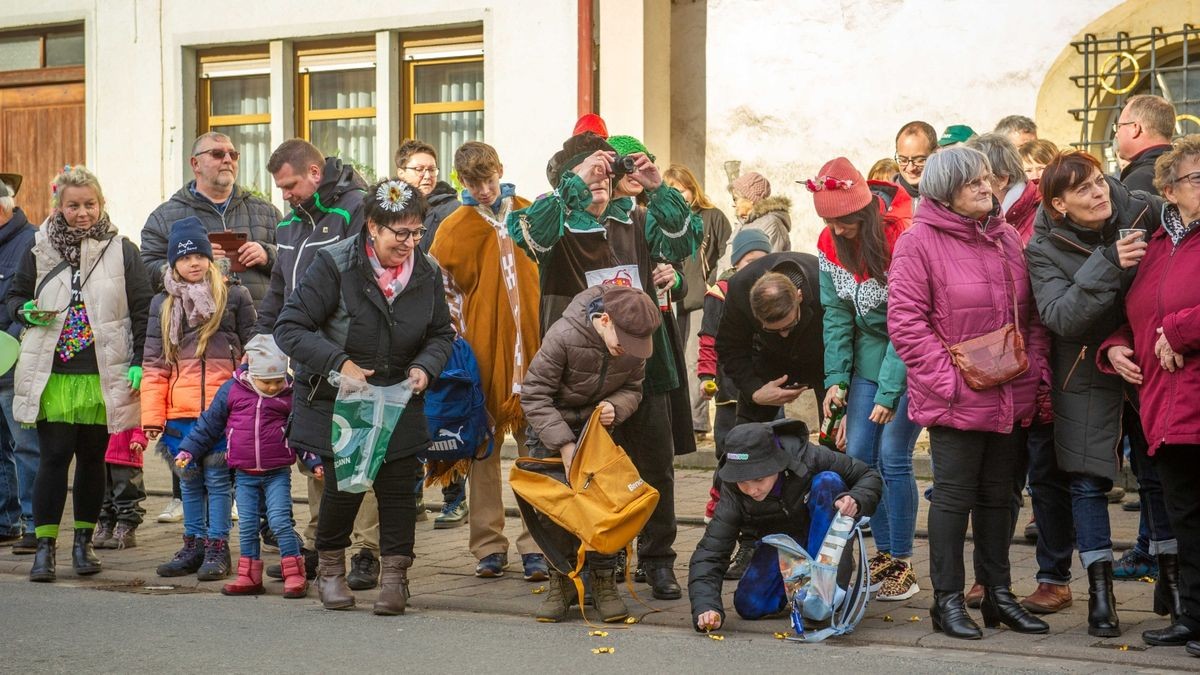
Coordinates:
[73,399]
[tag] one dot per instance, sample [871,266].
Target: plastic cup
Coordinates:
[1126,232]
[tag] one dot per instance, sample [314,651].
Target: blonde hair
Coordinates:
[1167,163]
[885,169]
[684,176]
[215,280]
[76,176]
[1038,150]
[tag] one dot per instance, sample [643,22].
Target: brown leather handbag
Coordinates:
[994,358]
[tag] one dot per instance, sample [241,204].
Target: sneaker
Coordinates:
[216,561]
[1135,565]
[1132,505]
[187,559]
[1115,495]
[535,567]
[714,496]
[172,512]
[102,536]
[310,566]
[268,539]
[364,571]
[123,536]
[879,566]
[741,560]
[900,583]
[491,566]
[453,514]
[26,545]
[233,511]
[422,514]
[15,535]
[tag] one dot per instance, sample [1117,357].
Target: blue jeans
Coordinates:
[1051,508]
[19,458]
[1089,504]
[760,593]
[274,488]
[1155,535]
[888,449]
[207,502]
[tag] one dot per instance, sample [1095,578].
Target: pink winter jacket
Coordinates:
[948,278]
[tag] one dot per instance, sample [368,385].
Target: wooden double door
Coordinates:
[42,129]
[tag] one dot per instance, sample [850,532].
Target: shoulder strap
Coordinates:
[46,279]
[1012,283]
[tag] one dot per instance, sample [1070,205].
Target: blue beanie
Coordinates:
[187,236]
[749,240]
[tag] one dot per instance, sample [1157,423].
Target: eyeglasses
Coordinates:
[795,322]
[219,154]
[1193,178]
[1117,126]
[917,161]
[979,183]
[405,235]
[423,170]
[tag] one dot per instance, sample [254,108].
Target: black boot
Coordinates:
[1166,589]
[1102,604]
[1000,606]
[949,615]
[43,560]
[83,555]
[187,559]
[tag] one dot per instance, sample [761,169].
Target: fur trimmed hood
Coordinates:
[775,204]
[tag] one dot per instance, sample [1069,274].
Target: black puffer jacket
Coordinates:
[783,514]
[1080,292]
[442,202]
[1139,173]
[245,213]
[752,356]
[338,313]
[332,214]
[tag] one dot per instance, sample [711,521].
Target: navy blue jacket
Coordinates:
[16,240]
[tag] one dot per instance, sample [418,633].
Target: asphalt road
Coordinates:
[60,628]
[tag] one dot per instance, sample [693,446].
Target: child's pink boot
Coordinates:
[295,584]
[249,578]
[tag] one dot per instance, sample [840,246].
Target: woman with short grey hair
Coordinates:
[959,274]
[1018,198]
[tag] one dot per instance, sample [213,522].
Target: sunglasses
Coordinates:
[219,154]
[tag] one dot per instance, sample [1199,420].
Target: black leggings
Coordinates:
[59,443]
[397,508]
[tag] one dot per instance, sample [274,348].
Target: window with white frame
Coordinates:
[235,99]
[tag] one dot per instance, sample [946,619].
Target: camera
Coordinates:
[623,165]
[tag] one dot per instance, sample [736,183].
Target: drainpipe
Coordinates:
[586,58]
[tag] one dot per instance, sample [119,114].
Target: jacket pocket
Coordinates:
[1075,366]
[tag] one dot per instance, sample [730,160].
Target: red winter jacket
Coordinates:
[1165,294]
[1021,214]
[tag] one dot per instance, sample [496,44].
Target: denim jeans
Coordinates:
[274,489]
[1051,507]
[1155,535]
[1089,503]
[888,449]
[207,502]
[18,467]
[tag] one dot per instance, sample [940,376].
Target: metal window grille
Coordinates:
[1116,68]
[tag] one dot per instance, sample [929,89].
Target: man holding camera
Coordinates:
[769,341]
[581,236]
[214,197]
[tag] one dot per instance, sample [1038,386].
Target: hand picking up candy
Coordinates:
[183,459]
[319,472]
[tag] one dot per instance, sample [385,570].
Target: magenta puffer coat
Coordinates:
[948,279]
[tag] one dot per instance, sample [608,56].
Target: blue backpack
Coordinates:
[455,412]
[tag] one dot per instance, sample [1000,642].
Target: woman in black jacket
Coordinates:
[371,308]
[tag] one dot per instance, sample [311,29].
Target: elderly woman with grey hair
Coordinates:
[958,274]
[1018,197]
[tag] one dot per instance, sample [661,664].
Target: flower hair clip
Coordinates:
[393,195]
[827,183]
[54,183]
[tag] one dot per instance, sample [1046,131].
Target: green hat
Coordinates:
[627,145]
[956,133]
[9,349]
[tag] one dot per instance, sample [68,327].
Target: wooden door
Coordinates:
[41,130]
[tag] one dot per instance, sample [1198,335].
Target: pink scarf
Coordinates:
[193,300]
[391,280]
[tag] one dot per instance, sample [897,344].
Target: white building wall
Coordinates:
[140,110]
[795,83]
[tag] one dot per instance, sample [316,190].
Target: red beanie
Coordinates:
[838,190]
[593,123]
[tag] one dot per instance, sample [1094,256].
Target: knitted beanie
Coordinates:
[593,123]
[746,241]
[574,150]
[187,236]
[838,190]
[753,186]
[627,145]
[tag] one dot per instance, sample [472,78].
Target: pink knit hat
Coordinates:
[838,190]
[753,186]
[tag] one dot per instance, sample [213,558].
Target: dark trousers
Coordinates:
[1051,507]
[60,443]
[123,495]
[397,508]
[1179,468]
[648,441]
[973,471]
[723,422]
[1154,527]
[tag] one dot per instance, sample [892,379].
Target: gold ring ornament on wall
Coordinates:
[1137,73]
[1188,118]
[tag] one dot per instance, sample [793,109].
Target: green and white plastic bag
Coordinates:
[364,417]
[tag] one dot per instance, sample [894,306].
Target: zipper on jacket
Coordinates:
[1071,373]
[595,398]
[203,368]
[257,442]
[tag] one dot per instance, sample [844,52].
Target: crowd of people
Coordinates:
[1028,311]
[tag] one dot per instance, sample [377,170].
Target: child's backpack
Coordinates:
[601,506]
[459,426]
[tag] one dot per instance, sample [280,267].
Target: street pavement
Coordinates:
[446,594]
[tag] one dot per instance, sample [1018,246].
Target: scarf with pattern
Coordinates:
[66,239]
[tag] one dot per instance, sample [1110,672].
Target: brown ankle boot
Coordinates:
[557,600]
[1048,599]
[393,585]
[331,580]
